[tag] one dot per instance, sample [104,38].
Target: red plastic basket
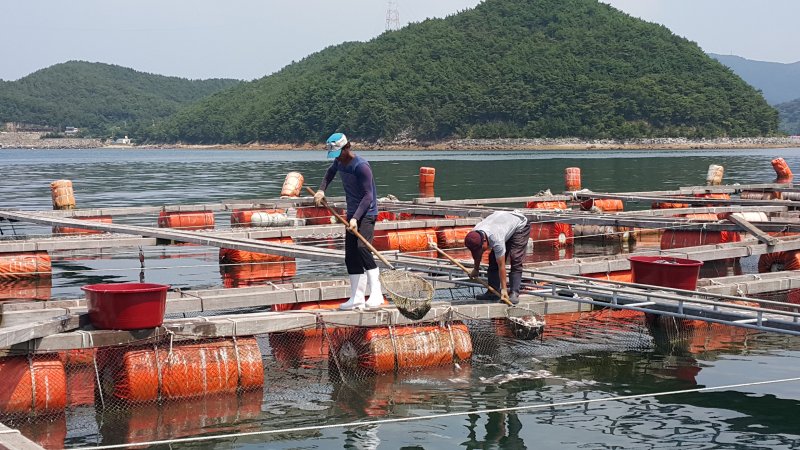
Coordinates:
[665,271]
[126,306]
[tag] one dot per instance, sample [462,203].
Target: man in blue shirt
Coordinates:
[362,211]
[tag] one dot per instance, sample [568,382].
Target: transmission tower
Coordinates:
[392,16]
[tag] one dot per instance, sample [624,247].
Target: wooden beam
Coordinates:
[11,439]
[750,228]
[273,322]
[22,333]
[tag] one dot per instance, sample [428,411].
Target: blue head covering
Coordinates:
[335,143]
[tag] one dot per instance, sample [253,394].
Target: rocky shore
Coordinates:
[534,144]
[34,140]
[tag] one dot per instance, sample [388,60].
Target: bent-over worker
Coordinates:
[362,211]
[506,234]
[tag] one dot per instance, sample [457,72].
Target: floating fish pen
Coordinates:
[246,325]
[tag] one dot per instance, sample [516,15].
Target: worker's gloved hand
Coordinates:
[475,273]
[318,197]
[504,296]
[354,224]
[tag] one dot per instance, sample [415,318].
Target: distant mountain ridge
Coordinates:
[507,68]
[778,82]
[790,116]
[102,98]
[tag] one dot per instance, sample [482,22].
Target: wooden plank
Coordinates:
[22,333]
[12,439]
[750,228]
[271,322]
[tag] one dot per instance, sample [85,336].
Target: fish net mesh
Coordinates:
[411,293]
[178,386]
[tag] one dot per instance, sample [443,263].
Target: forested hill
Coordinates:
[99,97]
[507,68]
[779,82]
[790,116]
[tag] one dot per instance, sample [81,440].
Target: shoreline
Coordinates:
[566,144]
[11,141]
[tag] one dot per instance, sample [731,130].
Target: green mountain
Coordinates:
[507,68]
[790,116]
[102,98]
[779,82]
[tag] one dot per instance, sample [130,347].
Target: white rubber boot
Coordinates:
[375,294]
[358,285]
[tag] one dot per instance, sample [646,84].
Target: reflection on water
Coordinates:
[579,357]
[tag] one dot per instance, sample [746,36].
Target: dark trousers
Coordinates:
[357,256]
[515,253]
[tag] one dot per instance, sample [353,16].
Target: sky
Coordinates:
[248,39]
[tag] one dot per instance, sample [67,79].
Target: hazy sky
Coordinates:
[248,39]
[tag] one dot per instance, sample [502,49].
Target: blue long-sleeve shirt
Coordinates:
[359,187]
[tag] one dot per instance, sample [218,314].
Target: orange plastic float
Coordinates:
[181,370]
[386,349]
[61,192]
[690,238]
[186,220]
[410,240]
[714,175]
[32,386]
[552,234]
[243,217]
[760,195]
[546,205]
[75,230]
[572,179]
[779,261]
[315,215]
[603,204]
[233,256]
[451,237]
[427,176]
[782,169]
[17,266]
[292,184]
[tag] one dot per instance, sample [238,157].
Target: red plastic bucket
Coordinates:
[665,271]
[126,306]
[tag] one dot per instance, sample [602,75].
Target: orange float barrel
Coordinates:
[546,205]
[75,230]
[292,184]
[163,372]
[603,204]
[427,175]
[244,217]
[552,234]
[714,175]
[186,220]
[572,178]
[451,237]
[34,385]
[16,266]
[386,349]
[782,169]
[233,256]
[61,192]
[411,240]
